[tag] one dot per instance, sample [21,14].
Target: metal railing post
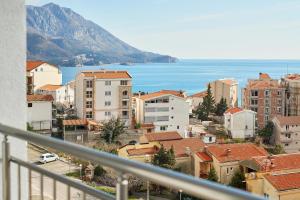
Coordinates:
[5,169]
[122,187]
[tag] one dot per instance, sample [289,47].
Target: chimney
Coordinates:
[228,151]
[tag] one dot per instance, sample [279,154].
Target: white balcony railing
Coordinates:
[194,186]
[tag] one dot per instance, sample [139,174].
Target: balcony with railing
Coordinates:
[194,186]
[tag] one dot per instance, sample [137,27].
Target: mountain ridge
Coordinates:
[62,36]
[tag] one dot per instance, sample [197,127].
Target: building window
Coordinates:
[286,144]
[123,82]
[254,93]
[279,93]
[89,94]
[89,104]
[124,103]
[29,105]
[279,109]
[267,110]
[107,82]
[107,103]
[89,115]
[125,93]
[254,102]
[89,83]
[178,127]
[254,109]
[107,113]
[267,92]
[266,196]
[267,102]
[227,171]
[124,113]
[267,118]
[163,128]
[107,93]
[288,135]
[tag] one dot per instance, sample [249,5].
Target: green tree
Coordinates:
[99,171]
[208,105]
[112,129]
[278,149]
[212,175]
[238,180]
[221,107]
[266,132]
[164,158]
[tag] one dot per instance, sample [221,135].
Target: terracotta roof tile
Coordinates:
[162,93]
[204,157]
[264,76]
[31,64]
[199,94]
[284,181]
[161,136]
[180,146]
[234,110]
[50,87]
[293,77]
[235,152]
[104,74]
[143,151]
[278,162]
[288,120]
[39,97]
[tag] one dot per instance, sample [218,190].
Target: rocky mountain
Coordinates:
[61,36]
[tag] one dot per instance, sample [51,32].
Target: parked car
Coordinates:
[48,157]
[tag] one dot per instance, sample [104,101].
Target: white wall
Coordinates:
[46,74]
[12,81]
[39,116]
[79,96]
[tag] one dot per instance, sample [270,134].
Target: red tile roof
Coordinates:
[235,152]
[162,93]
[33,64]
[284,181]
[143,151]
[160,136]
[50,87]
[180,146]
[264,76]
[39,97]
[288,120]
[228,81]
[204,157]
[104,74]
[234,110]
[278,162]
[293,76]
[75,122]
[199,94]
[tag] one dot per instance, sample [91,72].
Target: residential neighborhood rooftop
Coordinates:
[284,181]
[160,136]
[32,64]
[105,74]
[199,94]
[288,120]
[235,152]
[39,97]
[264,76]
[162,93]
[182,146]
[204,156]
[233,110]
[143,151]
[75,122]
[50,87]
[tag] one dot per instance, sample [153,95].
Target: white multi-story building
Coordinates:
[101,95]
[39,112]
[286,132]
[166,109]
[40,73]
[195,100]
[70,93]
[240,123]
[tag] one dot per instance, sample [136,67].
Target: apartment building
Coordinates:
[225,158]
[101,95]
[275,177]
[58,92]
[225,88]
[265,96]
[292,84]
[39,112]
[195,100]
[167,110]
[240,123]
[286,132]
[40,73]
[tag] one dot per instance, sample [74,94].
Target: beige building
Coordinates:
[40,73]
[292,84]
[265,96]
[101,95]
[226,88]
[272,176]
[195,100]
[286,133]
[225,158]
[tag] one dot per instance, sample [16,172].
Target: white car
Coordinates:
[48,157]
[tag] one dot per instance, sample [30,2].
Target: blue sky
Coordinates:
[261,29]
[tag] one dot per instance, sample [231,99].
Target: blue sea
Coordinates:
[193,75]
